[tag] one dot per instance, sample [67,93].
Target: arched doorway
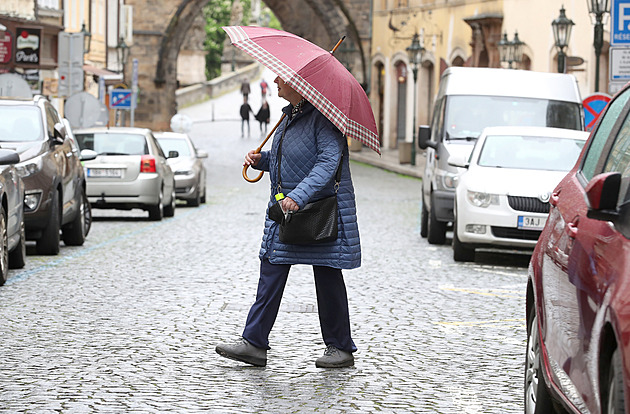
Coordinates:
[401,102]
[379,70]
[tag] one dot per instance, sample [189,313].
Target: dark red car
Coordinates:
[578,292]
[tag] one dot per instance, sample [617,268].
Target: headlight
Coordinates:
[479,199]
[26,170]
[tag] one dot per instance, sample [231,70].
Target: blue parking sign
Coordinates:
[120,99]
[620,22]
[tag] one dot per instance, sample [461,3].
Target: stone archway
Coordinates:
[157,43]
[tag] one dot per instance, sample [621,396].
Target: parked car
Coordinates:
[85,206]
[50,167]
[130,171]
[190,173]
[12,235]
[471,99]
[578,291]
[502,198]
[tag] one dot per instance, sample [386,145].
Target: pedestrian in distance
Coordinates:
[263,89]
[245,111]
[263,117]
[245,89]
[311,149]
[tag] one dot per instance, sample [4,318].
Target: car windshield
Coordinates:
[467,116]
[20,124]
[530,153]
[175,144]
[113,144]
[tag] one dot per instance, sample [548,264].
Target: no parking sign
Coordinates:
[593,106]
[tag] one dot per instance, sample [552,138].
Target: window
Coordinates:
[619,158]
[598,141]
[20,124]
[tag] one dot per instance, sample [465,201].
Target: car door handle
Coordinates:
[553,200]
[572,229]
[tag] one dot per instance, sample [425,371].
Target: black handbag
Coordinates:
[315,223]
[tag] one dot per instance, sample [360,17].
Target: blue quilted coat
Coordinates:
[311,150]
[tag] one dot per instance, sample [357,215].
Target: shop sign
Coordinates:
[27,46]
[5,47]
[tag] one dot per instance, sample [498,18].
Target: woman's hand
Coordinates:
[289,204]
[252,158]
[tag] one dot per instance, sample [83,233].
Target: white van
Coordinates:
[470,99]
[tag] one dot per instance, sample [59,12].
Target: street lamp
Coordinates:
[510,50]
[122,51]
[87,39]
[561,34]
[598,8]
[414,51]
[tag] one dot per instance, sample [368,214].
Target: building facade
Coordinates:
[467,33]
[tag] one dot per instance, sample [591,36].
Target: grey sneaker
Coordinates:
[335,358]
[243,351]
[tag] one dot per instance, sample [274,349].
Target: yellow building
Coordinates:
[467,33]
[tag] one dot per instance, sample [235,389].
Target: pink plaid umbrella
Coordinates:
[316,75]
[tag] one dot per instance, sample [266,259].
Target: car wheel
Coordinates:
[203,196]
[424,221]
[4,248]
[156,212]
[49,242]
[436,232]
[74,233]
[17,257]
[169,210]
[462,252]
[537,399]
[197,200]
[613,398]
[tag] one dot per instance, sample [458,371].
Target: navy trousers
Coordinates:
[332,305]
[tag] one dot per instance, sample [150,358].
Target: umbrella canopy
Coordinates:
[316,75]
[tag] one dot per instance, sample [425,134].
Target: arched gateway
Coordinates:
[161,27]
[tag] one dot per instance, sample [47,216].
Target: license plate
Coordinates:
[531,223]
[105,172]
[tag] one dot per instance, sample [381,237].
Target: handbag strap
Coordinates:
[279,156]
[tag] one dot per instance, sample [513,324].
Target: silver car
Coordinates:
[129,171]
[190,173]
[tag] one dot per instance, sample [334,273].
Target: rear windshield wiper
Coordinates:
[112,153]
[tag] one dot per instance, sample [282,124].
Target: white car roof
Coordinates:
[535,132]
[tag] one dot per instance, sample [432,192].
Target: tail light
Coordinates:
[147,164]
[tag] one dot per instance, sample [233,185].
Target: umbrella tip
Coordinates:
[338,43]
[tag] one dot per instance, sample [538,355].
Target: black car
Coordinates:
[55,201]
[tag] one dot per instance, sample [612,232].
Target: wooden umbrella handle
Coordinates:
[257,151]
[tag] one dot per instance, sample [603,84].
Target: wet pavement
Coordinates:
[129,321]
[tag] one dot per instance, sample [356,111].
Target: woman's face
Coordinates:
[287,92]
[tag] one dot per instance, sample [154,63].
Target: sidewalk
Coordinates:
[389,161]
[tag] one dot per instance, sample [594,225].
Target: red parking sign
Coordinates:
[593,106]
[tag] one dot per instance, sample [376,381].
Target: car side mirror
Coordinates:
[602,193]
[458,161]
[88,155]
[202,154]
[424,137]
[60,134]
[8,157]
[173,154]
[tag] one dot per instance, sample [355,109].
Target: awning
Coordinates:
[109,77]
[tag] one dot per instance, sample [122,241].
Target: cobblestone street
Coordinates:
[129,321]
